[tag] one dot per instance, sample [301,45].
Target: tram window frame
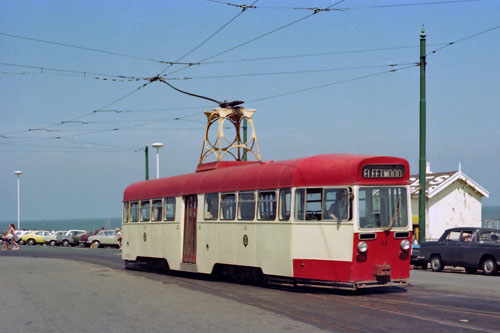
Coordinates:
[311,201]
[285,201]
[169,208]
[156,216]
[299,204]
[379,204]
[125,212]
[141,218]
[245,203]
[228,207]
[134,210]
[209,205]
[263,204]
[330,205]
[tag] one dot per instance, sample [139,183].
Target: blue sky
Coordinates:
[352,103]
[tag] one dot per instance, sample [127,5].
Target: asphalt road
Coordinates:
[80,290]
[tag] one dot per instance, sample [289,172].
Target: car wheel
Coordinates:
[95,244]
[65,242]
[489,266]
[21,242]
[52,243]
[471,270]
[31,241]
[436,264]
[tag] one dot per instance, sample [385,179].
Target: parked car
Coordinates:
[84,239]
[20,234]
[103,238]
[68,238]
[35,237]
[415,258]
[55,238]
[471,248]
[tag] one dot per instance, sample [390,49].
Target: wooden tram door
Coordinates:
[189,248]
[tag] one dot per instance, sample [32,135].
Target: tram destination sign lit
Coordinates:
[383,171]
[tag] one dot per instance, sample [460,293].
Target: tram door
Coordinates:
[189,248]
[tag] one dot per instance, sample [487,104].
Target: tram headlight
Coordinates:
[362,247]
[405,245]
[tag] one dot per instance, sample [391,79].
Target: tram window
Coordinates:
[246,206]
[211,208]
[299,204]
[336,204]
[170,209]
[157,210]
[267,206]
[313,204]
[285,202]
[145,211]
[383,207]
[134,211]
[228,206]
[125,211]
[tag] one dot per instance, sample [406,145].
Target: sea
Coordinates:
[66,224]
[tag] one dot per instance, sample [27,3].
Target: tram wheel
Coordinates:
[436,263]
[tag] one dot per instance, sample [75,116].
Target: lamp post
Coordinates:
[157,145]
[18,173]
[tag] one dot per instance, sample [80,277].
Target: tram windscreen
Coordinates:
[383,207]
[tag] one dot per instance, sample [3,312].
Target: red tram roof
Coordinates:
[321,170]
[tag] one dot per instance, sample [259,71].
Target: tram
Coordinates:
[336,220]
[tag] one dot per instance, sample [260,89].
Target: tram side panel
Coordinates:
[322,251]
[229,243]
[273,255]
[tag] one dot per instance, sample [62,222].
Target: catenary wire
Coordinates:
[465,38]
[96,50]
[329,84]
[207,39]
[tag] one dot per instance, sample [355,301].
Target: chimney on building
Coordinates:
[428,168]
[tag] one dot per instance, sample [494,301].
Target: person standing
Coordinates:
[119,238]
[13,238]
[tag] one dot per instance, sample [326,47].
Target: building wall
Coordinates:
[457,205]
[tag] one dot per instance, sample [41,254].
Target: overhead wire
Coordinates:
[330,84]
[208,38]
[323,70]
[96,50]
[84,73]
[316,9]
[318,54]
[465,38]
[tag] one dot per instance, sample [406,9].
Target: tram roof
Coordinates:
[321,170]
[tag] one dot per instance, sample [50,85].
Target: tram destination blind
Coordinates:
[383,171]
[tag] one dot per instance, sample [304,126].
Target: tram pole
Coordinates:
[422,159]
[245,137]
[146,152]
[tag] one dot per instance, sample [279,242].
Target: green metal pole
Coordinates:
[245,137]
[422,160]
[146,151]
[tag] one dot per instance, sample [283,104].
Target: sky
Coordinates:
[343,80]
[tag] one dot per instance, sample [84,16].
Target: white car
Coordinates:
[67,239]
[20,233]
[103,238]
[55,238]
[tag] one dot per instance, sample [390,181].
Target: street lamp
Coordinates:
[18,173]
[157,145]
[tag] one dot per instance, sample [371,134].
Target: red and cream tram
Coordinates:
[338,220]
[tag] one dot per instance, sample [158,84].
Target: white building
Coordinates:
[453,200]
